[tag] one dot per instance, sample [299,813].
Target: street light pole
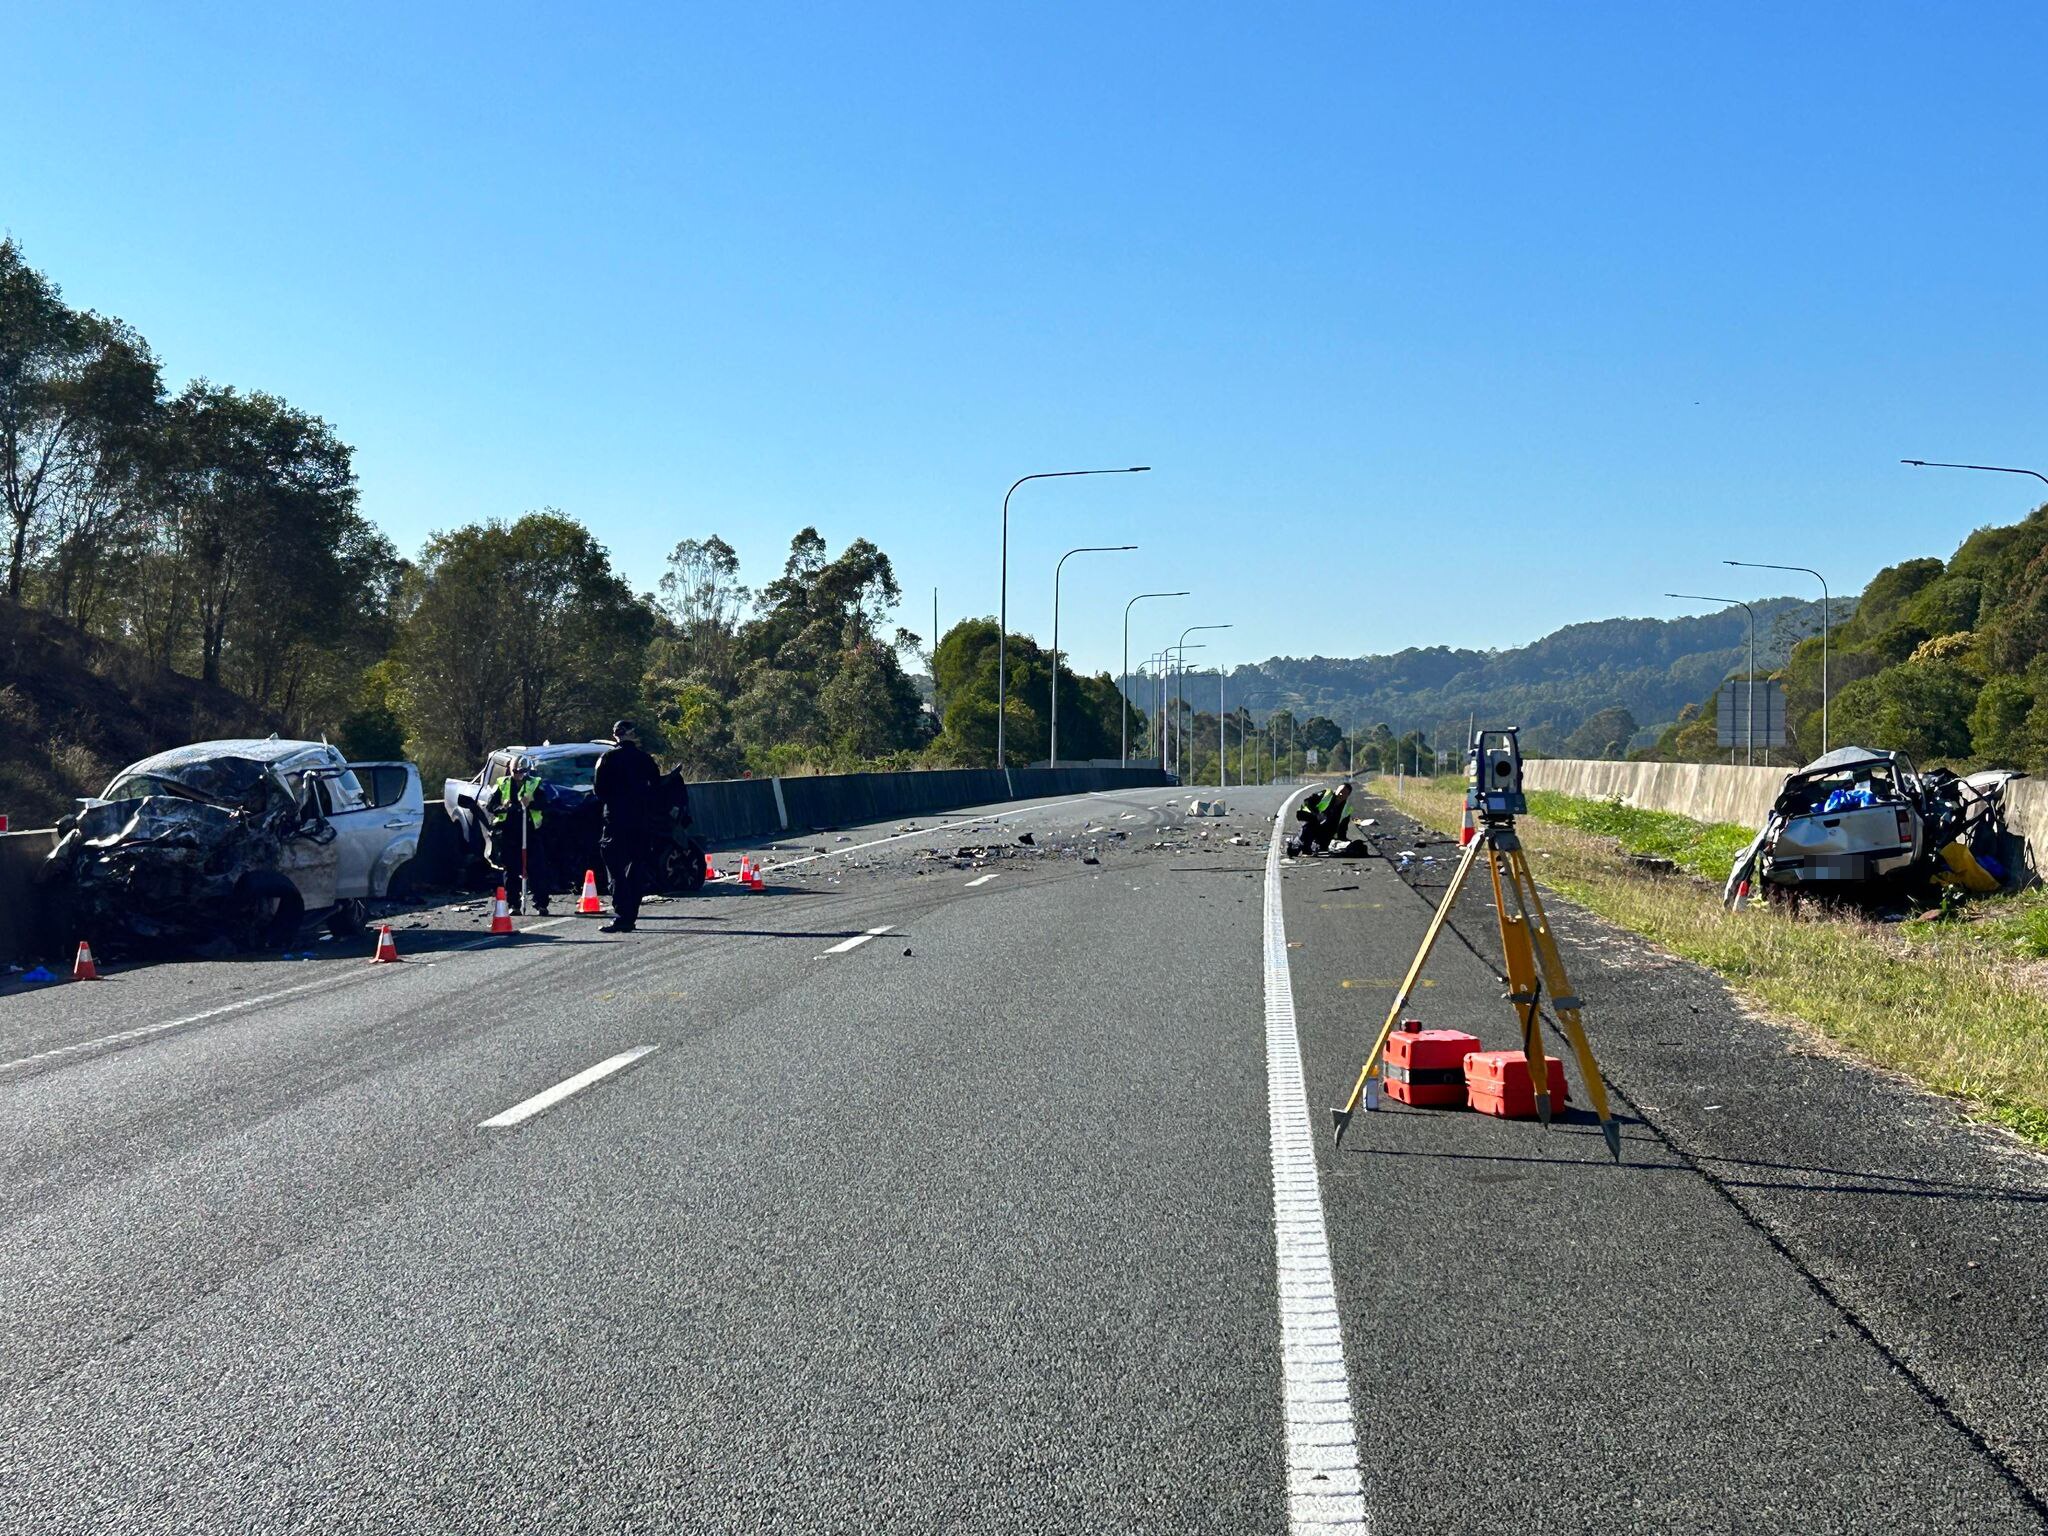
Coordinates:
[1003,589]
[1996,469]
[1053,751]
[1749,685]
[1126,754]
[1826,603]
[1175,733]
[1153,662]
[1183,646]
[1222,737]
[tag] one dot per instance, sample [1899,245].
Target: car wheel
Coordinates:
[400,886]
[691,876]
[267,911]
[347,919]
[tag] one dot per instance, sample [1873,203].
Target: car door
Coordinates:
[394,809]
[309,856]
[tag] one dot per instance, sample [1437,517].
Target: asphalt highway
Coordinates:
[939,1189]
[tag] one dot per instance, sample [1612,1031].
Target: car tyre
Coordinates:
[267,911]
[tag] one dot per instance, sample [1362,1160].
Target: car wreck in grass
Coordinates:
[1863,825]
[234,841]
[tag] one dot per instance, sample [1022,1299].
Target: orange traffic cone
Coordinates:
[387,947]
[754,880]
[82,969]
[710,869]
[746,869]
[501,915]
[1465,836]
[589,906]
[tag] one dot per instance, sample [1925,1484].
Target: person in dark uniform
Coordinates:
[628,785]
[1324,816]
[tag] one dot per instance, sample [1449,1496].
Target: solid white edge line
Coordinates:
[1324,1489]
[983,879]
[856,941]
[526,1109]
[143,1032]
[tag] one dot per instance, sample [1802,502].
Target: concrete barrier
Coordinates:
[1703,791]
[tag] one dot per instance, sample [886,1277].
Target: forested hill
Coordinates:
[1652,668]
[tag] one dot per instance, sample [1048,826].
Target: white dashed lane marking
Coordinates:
[856,941]
[526,1109]
[983,879]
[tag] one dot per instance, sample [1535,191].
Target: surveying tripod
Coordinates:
[1494,797]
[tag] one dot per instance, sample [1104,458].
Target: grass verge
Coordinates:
[1955,1006]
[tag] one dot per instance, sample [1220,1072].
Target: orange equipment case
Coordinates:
[1427,1066]
[1497,1083]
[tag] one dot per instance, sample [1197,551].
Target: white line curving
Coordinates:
[1324,1491]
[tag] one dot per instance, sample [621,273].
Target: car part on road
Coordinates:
[1494,794]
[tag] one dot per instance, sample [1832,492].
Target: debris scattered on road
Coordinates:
[1027,839]
[906,949]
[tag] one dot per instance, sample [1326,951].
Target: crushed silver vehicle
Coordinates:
[1863,824]
[235,841]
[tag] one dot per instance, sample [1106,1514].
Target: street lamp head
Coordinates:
[1916,463]
[1139,469]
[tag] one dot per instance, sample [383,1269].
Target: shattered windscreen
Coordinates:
[239,782]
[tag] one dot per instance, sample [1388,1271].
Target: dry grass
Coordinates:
[1964,1016]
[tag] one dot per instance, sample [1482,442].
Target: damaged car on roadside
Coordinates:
[235,843]
[1864,825]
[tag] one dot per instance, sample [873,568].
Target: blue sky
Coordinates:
[1440,324]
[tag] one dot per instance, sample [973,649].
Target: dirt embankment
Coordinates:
[74,709]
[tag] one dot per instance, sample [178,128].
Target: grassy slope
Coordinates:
[1956,1006]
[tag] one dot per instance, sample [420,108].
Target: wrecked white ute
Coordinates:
[1862,823]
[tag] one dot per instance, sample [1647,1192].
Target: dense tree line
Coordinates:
[215,533]
[212,532]
[1652,668]
[1944,660]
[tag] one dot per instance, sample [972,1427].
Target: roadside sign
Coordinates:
[1732,717]
[1314,757]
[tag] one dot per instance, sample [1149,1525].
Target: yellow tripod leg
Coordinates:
[1368,1074]
[1523,991]
[1562,998]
